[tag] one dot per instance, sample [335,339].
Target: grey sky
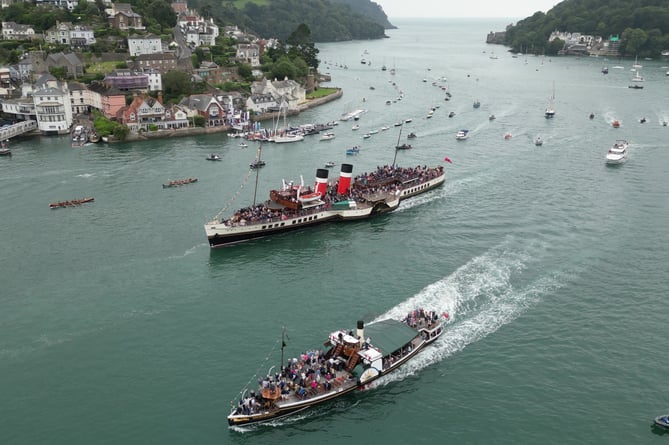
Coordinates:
[467,8]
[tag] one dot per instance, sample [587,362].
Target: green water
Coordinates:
[118,324]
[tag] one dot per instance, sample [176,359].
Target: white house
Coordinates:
[149,44]
[282,90]
[155,79]
[53,107]
[248,53]
[81,36]
[14,31]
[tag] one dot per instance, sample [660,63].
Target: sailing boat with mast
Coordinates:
[550,109]
[284,135]
[637,78]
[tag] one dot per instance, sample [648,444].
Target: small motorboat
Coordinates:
[662,421]
[243,145]
[477,104]
[491,117]
[355,127]
[592,115]
[616,124]
[4,149]
[353,150]
[462,135]
[330,164]
[507,136]
[538,141]
[366,136]
[404,147]
[411,135]
[451,114]
[664,123]
[258,163]
[642,120]
[213,157]
[327,136]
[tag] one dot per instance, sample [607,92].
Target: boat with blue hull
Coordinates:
[293,207]
[350,361]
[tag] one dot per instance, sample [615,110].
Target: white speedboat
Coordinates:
[327,136]
[538,141]
[462,135]
[617,154]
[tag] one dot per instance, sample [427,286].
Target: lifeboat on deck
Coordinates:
[309,197]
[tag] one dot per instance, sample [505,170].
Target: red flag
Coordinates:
[448,160]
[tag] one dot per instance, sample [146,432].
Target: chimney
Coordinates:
[344,179]
[321,185]
[361,332]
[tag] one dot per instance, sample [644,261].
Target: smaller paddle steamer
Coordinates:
[351,361]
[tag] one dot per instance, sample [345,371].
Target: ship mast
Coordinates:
[255,190]
[398,144]
[283,345]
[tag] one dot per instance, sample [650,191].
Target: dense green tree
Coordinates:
[245,71]
[335,20]
[58,72]
[641,24]
[177,84]
[283,68]
[300,45]
[634,39]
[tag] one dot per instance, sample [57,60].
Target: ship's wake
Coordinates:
[479,297]
[448,189]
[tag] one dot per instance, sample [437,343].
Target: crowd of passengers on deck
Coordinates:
[305,377]
[312,373]
[419,318]
[363,186]
[422,173]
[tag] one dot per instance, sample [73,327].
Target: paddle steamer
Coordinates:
[351,361]
[294,207]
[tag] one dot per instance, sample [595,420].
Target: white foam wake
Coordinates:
[479,297]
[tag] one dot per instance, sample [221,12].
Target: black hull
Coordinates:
[380,207]
[419,189]
[276,415]
[226,240]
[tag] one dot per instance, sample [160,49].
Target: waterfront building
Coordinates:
[53,107]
